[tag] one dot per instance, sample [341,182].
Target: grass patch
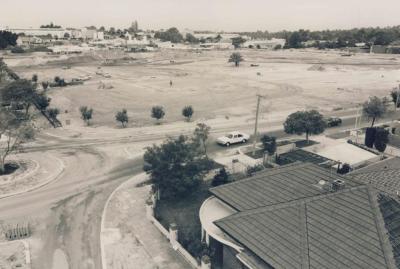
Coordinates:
[185,213]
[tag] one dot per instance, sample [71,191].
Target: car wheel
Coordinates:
[244,141]
[227,144]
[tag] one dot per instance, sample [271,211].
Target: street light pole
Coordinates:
[256,124]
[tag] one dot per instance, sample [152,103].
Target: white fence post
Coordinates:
[173,235]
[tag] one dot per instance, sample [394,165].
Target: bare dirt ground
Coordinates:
[12,255]
[290,80]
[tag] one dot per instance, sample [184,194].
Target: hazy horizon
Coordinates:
[221,15]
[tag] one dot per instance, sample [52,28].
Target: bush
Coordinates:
[381,139]
[221,178]
[370,137]
[17,49]
[251,170]
[53,113]
[344,169]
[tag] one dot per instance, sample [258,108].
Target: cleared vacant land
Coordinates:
[290,80]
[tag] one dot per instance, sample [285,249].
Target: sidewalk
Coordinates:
[128,238]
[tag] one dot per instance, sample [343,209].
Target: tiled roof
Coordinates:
[391,163]
[336,230]
[387,180]
[288,222]
[285,184]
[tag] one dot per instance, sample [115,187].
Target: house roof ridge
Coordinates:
[278,206]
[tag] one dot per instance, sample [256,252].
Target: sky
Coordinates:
[217,15]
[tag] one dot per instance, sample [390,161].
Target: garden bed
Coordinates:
[258,154]
[185,213]
[303,143]
[9,168]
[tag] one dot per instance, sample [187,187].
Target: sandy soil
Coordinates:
[12,255]
[35,170]
[290,80]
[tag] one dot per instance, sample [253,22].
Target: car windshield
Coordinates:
[229,135]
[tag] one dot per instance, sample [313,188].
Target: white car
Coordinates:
[233,138]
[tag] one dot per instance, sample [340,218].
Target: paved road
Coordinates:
[66,214]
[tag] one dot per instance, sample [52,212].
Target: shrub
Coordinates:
[221,178]
[344,169]
[251,170]
[370,137]
[17,49]
[381,139]
[53,113]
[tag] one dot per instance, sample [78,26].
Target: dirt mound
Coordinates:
[317,67]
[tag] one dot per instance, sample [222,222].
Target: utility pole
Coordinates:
[397,99]
[256,124]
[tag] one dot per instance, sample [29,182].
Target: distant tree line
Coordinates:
[51,25]
[172,35]
[333,38]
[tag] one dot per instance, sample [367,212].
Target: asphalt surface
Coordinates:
[66,213]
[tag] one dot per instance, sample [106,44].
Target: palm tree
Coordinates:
[236,58]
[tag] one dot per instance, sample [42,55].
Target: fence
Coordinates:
[175,244]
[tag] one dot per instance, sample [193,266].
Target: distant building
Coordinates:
[301,216]
[92,34]
[38,32]
[29,40]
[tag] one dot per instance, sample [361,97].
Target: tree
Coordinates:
[19,93]
[221,178]
[395,94]
[236,58]
[35,78]
[172,35]
[122,117]
[187,112]
[308,122]
[175,168]
[238,41]
[157,112]
[7,39]
[13,132]
[201,134]
[86,114]
[269,143]
[381,139]
[374,109]
[192,39]
[294,40]
[53,113]
[45,85]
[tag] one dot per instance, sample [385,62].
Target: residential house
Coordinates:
[301,216]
